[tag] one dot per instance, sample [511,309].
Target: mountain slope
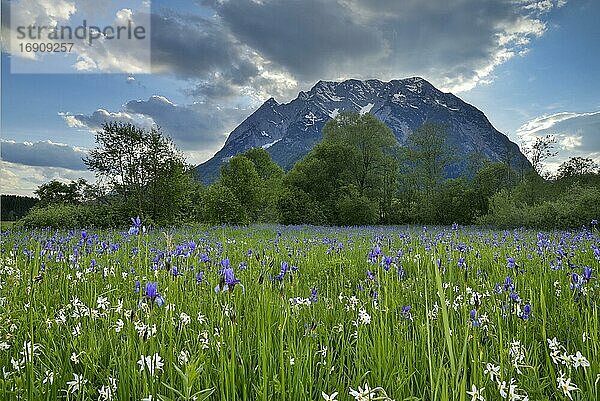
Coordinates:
[289,131]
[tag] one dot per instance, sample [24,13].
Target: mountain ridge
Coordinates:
[288,131]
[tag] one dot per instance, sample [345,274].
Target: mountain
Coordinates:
[288,131]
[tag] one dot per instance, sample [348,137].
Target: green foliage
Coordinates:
[59,192]
[577,166]
[145,169]
[356,210]
[355,162]
[573,208]
[221,206]
[61,215]
[14,207]
[297,207]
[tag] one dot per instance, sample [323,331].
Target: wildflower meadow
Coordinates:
[300,313]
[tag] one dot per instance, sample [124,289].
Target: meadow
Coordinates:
[299,313]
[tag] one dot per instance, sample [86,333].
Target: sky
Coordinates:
[530,65]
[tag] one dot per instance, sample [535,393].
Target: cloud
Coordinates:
[576,134]
[94,121]
[387,39]
[20,179]
[196,126]
[43,153]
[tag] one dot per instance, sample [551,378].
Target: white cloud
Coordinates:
[19,179]
[43,153]
[576,135]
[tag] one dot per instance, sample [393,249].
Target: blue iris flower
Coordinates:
[526,312]
[151,292]
[475,322]
[313,295]
[587,273]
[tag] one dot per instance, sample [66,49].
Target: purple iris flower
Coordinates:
[151,292]
[387,262]
[475,322]
[137,286]
[510,262]
[526,312]
[515,297]
[230,279]
[370,275]
[199,277]
[461,262]
[508,284]
[576,281]
[224,264]
[406,312]
[587,273]
[284,268]
[175,272]
[313,295]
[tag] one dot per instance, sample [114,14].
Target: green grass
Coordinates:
[256,343]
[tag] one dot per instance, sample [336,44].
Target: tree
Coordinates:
[143,168]
[59,192]
[355,162]
[541,150]
[221,206]
[429,156]
[240,176]
[576,166]
[372,144]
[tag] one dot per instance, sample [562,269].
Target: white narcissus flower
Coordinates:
[76,384]
[362,395]
[476,394]
[119,325]
[151,363]
[579,360]
[330,397]
[565,385]
[492,370]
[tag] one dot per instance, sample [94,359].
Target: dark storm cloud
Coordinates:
[303,36]
[454,43]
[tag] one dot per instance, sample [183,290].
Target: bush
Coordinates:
[221,206]
[573,208]
[355,210]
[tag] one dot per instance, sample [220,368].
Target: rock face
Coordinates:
[289,131]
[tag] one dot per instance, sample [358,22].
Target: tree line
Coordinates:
[357,175]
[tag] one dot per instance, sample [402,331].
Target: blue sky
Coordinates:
[530,65]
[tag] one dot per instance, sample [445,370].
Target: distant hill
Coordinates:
[289,131]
